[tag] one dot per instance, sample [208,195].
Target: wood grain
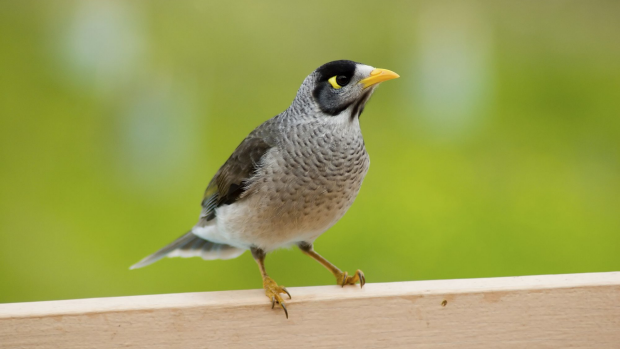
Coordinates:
[548,311]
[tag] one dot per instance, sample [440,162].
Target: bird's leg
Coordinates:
[342,278]
[272,290]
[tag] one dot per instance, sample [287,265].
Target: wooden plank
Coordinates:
[549,311]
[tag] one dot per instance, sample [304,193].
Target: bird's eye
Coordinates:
[339,81]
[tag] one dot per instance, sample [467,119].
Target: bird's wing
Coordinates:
[230,180]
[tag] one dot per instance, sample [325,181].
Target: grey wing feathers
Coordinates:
[190,245]
[206,249]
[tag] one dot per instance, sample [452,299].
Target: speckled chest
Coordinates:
[325,165]
[308,182]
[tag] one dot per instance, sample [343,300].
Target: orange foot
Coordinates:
[345,279]
[273,291]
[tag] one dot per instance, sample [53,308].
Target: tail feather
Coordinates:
[190,245]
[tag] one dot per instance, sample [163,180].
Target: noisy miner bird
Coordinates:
[290,179]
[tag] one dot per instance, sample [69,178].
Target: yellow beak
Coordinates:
[378,75]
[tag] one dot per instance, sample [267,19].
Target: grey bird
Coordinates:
[290,179]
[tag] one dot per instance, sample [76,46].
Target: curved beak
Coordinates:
[378,75]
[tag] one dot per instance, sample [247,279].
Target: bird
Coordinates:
[290,180]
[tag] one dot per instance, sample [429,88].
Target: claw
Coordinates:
[289,295]
[272,290]
[284,307]
[362,278]
[344,278]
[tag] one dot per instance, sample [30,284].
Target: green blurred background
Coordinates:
[496,153]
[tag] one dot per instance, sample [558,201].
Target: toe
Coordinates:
[273,291]
[345,279]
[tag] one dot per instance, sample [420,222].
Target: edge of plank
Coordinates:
[230,299]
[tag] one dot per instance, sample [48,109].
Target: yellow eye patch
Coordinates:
[333,82]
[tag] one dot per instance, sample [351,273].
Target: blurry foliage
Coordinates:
[497,152]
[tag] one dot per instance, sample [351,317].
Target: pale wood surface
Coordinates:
[548,311]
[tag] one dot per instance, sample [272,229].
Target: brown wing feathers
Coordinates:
[229,182]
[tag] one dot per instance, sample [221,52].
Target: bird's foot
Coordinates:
[273,291]
[344,279]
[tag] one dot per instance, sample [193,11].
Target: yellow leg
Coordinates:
[342,278]
[272,290]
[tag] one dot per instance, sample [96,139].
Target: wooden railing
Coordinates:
[546,311]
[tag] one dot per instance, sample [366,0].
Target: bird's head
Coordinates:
[340,86]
